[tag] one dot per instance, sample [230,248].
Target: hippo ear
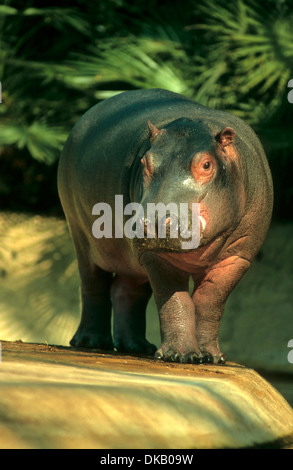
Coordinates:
[226,136]
[154,131]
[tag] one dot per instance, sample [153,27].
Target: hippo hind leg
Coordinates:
[94,331]
[129,299]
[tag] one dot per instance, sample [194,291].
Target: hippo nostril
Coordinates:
[143,225]
[149,228]
[141,222]
[169,222]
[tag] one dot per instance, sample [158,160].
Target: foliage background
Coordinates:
[59,58]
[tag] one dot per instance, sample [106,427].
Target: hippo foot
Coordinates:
[218,358]
[89,339]
[171,355]
[136,347]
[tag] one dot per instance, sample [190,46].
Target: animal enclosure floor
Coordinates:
[58,397]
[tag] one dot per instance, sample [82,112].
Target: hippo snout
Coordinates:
[160,227]
[170,231]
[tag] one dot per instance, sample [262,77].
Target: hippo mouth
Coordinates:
[168,244]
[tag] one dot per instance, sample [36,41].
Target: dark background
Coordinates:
[59,58]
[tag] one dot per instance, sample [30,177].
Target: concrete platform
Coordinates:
[58,398]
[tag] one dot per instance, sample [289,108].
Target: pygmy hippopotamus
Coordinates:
[155,146]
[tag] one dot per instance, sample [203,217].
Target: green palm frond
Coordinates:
[236,56]
[6,10]
[248,55]
[59,17]
[43,142]
[138,63]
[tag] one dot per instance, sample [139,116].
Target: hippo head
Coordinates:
[188,162]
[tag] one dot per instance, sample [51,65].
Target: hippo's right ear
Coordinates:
[154,131]
[226,136]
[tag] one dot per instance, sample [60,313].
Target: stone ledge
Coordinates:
[56,397]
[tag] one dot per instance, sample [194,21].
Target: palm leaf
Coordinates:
[135,63]
[43,142]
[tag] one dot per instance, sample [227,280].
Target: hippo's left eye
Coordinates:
[203,167]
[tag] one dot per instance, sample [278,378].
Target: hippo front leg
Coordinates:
[209,297]
[176,311]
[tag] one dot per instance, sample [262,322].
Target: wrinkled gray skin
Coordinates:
[186,153]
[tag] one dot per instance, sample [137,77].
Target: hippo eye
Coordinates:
[203,167]
[148,167]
